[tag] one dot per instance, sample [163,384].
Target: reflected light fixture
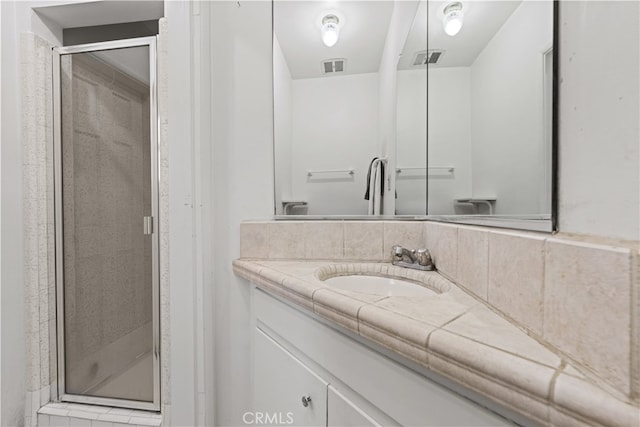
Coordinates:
[452,19]
[330,30]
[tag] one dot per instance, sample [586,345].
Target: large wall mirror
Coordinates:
[405,109]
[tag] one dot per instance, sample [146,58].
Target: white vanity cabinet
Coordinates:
[296,355]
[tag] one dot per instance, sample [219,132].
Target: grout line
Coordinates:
[502,350]
[426,344]
[448,322]
[634,358]
[488,266]
[384,228]
[545,251]
[486,290]
[457,259]
[344,242]
[554,378]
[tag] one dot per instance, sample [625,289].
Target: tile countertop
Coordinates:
[453,334]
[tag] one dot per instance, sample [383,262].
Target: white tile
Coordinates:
[97,423]
[483,325]
[254,240]
[473,260]
[95,408]
[516,277]
[363,241]
[520,374]
[58,405]
[57,421]
[146,421]
[35,396]
[120,411]
[53,411]
[45,392]
[79,422]
[409,234]
[286,240]
[593,403]
[587,309]
[43,420]
[84,415]
[442,242]
[324,239]
[113,418]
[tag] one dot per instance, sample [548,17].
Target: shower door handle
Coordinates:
[148,225]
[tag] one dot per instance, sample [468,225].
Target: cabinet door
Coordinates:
[343,412]
[281,382]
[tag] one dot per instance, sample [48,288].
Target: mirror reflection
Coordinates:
[490,108]
[328,105]
[379,111]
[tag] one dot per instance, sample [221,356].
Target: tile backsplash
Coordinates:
[578,294]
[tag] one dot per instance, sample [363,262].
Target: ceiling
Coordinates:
[102,12]
[363,31]
[482,20]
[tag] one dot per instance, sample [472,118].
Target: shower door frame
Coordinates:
[154,124]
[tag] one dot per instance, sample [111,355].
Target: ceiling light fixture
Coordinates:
[330,30]
[453,18]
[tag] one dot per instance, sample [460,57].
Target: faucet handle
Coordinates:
[396,251]
[423,257]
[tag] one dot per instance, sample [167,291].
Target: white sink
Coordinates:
[376,285]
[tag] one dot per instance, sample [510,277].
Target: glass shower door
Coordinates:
[106,203]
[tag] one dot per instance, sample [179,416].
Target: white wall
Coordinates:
[282,104]
[242,126]
[0,216]
[345,138]
[411,149]
[599,112]
[184,204]
[507,135]
[450,136]
[449,139]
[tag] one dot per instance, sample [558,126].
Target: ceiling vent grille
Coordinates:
[425,57]
[331,66]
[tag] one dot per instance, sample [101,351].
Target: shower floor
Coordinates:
[134,383]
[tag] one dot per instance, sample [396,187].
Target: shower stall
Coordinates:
[106,208]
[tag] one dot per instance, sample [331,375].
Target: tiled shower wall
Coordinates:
[38,235]
[578,294]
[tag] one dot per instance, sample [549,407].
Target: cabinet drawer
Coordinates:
[280,383]
[344,413]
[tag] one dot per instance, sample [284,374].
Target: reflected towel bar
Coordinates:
[347,171]
[446,169]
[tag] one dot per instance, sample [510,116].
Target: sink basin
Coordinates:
[382,279]
[376,285]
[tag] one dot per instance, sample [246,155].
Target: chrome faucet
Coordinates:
[420,259]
